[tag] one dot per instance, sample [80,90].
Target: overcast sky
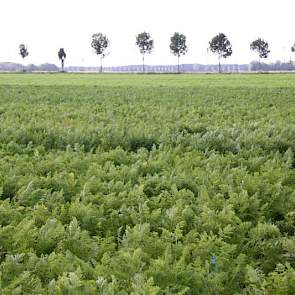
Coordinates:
[46,25]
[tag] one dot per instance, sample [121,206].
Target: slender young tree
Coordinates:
[221,46]
[145,45]
[62,56]
[23,51]
[261,47]
[100,43]
[178,46]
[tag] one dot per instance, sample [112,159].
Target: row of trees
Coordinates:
[219,45]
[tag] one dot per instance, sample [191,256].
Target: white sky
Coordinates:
[46,25]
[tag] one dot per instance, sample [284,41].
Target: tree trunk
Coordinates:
[101,64]
[219,65]
[62,65]
[143,63]
[24,67]
[178,64]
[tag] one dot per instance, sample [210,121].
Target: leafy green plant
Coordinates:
[147,184]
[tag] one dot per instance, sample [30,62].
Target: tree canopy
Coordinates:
[221,46]
[178,44]
[261,47]
[144,42]
[23,51]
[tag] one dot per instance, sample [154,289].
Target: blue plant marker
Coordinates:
[214,263]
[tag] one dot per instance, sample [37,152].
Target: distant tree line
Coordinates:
[219,45]
[275,66]
[136,68]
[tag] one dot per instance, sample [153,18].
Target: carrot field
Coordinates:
[121,184]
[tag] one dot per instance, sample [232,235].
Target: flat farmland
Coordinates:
[147,184]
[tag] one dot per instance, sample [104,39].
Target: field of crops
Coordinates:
[147,184]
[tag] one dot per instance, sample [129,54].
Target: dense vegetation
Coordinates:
[137,184]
